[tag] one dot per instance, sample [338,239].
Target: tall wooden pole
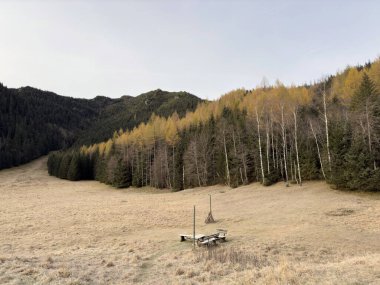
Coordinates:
[194,228]
[210,202]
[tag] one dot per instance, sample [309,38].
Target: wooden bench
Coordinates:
[185,237]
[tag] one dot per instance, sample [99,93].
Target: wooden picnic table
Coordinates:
[208,240]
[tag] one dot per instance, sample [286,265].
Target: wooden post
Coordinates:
[194,228]
[210,202]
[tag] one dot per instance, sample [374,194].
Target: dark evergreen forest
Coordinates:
[34,122]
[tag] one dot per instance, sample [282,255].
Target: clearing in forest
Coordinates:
[56,231]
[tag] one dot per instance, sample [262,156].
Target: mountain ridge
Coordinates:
[34,121]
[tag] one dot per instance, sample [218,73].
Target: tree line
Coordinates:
[328,130]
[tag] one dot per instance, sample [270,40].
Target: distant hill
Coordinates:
[127,112]
[34,122]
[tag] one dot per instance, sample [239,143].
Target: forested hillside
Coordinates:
[34,122]
[127,112]
[329,130]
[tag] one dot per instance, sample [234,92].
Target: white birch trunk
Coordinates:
[319,153]
[226,156]
[284,145]
[260,151]
[268,148]
[327,129]
[296,145]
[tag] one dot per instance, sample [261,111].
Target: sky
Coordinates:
[114,48]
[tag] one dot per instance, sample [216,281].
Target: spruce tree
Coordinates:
[64,166]
[122,175]
[365,94]
[74,170]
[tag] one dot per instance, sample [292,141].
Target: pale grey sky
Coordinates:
[114,48]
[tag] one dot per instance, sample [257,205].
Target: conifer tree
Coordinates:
[366,105]
[74,170]
[64,166]
[122,175]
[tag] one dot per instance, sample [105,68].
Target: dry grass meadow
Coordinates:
[59,232]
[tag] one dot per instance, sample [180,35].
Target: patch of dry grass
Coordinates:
[231,255]
[340,212]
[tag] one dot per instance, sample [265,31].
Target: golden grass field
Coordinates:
[59,232]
